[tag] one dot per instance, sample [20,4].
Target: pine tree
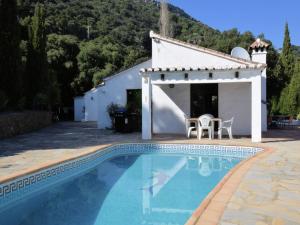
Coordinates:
[10,74]
[287,56]
[37,66]
[289,102]
[283,72]
[294,92]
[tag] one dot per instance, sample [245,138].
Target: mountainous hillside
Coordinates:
[92,39]
[128,22]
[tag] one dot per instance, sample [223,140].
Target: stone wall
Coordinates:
[15,123]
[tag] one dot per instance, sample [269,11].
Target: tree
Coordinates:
[10,74]
[132,56]
[100,75]
[287,56]
[97,59]
[294,91]
[289,102]
[37,79]
[62,51]
[164,19]
[90,61]
[282,75]
[286,61]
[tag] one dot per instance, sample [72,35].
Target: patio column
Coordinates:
[256,109]
[261,57]
[146,108]
[259,54]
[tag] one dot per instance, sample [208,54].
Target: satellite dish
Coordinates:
[241,53]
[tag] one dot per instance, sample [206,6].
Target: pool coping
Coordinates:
[213,206]
[46,165]
[94,149]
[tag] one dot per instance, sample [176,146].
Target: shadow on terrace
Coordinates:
[73,135]
[63,135]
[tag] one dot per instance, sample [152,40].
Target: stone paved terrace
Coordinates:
[269,193]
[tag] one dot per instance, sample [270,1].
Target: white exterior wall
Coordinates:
[169,105]
[90,103]
[235,101]
[165,54]
[115,91]
[78,108]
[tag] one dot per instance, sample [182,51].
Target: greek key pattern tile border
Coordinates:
[23,186]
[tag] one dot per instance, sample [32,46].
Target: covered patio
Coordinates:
[168,97]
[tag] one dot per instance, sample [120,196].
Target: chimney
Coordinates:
[259,51]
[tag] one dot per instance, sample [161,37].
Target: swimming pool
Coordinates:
[130,184]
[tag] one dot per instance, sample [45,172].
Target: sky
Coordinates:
[257,16]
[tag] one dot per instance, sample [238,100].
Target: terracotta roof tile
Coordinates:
[259,44]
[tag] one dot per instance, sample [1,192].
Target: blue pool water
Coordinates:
[144,189]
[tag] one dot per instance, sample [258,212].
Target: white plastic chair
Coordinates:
[204,124]
[188,126]
[226,125]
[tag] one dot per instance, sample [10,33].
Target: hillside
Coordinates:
[128,22]
[89,40]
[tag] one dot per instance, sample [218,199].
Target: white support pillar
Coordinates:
[259,54]
[146,108]
[264,111]
[256,109]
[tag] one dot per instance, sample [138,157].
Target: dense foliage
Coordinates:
[296,50]
[285,88]
[37,76]
[62,51]
[10,74]
[69,46]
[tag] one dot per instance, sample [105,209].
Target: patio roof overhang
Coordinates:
[181,75]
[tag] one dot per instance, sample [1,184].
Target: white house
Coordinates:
[79,108]
[85,107]
[90,104]
[184,79]
[114,89]
[189,80]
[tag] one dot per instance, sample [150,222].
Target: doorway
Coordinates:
[204,99]
[134,100]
